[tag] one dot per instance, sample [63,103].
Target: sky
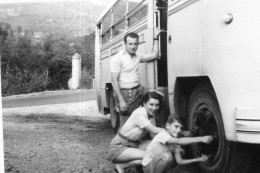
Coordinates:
[31,1]
[97,2]
[26,1]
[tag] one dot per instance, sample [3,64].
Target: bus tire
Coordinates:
[114,115]
[204,118]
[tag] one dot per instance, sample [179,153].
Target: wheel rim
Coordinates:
[206,122]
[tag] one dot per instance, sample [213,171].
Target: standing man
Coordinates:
[124,74]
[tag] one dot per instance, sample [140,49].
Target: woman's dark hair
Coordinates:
[153,95]
[132,35]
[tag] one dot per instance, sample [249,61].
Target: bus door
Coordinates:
[161,64]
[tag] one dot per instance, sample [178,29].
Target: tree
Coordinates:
[88,55]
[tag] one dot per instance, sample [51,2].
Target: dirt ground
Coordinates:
[63,138]
[57,138]
[71,137]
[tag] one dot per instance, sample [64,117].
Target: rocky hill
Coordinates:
[71,18]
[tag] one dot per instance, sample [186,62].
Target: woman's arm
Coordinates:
[182,161]
[190,140]
[153,129]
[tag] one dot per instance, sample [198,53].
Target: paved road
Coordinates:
[84,95]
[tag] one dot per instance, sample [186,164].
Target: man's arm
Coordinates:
[190,140]
[155,50]
[116,88]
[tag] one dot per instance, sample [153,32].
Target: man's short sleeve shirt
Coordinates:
[127,66]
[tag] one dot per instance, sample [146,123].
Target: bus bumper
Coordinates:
[248,125]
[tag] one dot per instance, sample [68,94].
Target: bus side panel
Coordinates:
[230,57]
[97,68]
[183,44]
[105,77]
[142,49]
[203,44]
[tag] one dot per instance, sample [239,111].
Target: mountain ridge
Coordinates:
[71,18]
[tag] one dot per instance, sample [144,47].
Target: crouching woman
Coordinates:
[125,148]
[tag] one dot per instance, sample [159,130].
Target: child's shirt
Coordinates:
[159,146]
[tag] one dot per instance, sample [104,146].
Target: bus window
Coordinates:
[132,4]
[119,28]
[106,37]
[106,23]
[139,14]
[99,32]
[119,11]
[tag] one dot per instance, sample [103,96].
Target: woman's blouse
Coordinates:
[134,127]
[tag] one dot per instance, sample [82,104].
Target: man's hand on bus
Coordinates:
[157,32]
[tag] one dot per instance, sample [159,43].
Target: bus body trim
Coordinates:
[248,125]
[180,6]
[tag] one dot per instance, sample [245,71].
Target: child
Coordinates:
[158,155]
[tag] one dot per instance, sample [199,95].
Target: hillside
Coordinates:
[71,18]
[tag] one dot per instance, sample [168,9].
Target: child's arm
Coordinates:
[182,161]
[190,140]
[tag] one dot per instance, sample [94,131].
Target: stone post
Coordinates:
[76,68]
[76,71]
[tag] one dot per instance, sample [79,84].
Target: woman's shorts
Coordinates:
[118,145]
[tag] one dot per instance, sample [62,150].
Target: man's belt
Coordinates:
[135,87]
[126,138]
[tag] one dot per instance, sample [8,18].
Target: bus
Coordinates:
[208,69]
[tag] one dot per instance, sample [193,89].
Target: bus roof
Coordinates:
[113,2]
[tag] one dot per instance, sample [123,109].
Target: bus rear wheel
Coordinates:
[114,115]
[204,118]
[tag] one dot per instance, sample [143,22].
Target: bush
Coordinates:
[22,82]
[59,74]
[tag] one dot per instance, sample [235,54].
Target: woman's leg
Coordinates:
[122,166]
[144,144]
[129,158]
[129,154]
[161,163]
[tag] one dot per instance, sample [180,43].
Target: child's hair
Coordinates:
[153,94]
[174,117]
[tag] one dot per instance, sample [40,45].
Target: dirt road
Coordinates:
[57,138]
